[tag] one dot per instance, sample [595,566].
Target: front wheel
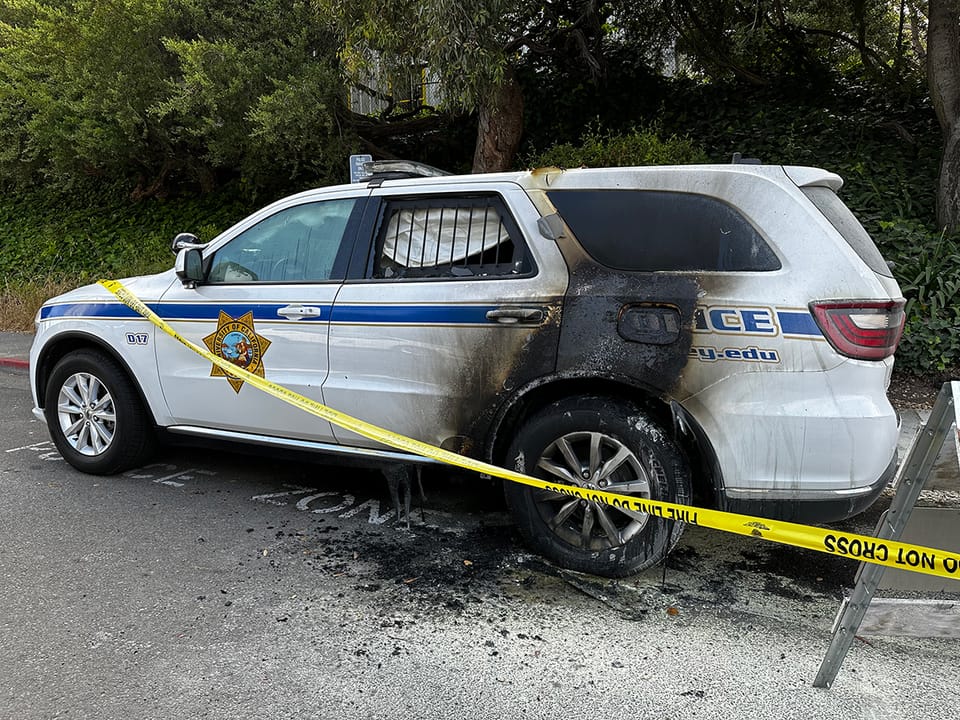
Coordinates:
[604,444]
[94,414]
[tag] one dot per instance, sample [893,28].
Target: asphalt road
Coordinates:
[215,585]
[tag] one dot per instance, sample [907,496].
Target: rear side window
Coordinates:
[651,230]
[448,237]
[849,227]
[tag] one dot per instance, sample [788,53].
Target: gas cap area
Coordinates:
[652,324]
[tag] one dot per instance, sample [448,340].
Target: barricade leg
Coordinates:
[913,474]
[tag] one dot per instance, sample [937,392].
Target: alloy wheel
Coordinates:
[597,461]
[86,413]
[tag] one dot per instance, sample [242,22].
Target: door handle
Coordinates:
[514,315]
[300,311]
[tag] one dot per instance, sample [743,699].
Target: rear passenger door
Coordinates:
[454,304]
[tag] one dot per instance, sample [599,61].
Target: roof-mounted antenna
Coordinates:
[739,159]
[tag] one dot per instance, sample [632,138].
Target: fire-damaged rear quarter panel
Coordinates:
[598,337]
[788,423]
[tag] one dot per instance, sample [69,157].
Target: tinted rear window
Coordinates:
[849,227]
[651,230]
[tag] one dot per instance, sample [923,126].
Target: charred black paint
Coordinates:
[508,367]
[597,296]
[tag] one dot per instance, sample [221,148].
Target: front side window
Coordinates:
[297,244]
[452,237]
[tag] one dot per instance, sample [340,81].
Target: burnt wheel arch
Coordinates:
[597,442]
[534,397]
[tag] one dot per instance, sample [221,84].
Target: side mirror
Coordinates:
[184,240]
[189,266]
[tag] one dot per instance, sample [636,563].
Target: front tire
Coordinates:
[95,416]
[605,444]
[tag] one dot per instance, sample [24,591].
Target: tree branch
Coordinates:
[919,48]
[691,27]
[388,99]
[373,129]
[876,61]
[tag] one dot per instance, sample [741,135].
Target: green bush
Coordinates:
[47,235]
[927,266]
[162,96]
[640,146]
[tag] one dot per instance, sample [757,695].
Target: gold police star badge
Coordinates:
[237,341]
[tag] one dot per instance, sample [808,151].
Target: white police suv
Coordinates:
[724,333]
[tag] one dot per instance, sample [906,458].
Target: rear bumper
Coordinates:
[809,507]
[809,446]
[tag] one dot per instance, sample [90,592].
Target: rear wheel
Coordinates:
[603,444]
[95,416]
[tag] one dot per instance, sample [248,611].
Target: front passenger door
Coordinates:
[265,306]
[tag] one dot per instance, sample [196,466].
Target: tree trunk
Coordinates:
[948,183]
[500,127]
[943,78]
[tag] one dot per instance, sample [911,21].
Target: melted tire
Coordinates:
[132,439]
[594,432]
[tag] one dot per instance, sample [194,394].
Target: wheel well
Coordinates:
[56,349]
[686,432]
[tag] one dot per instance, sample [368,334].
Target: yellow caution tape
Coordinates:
[890,553]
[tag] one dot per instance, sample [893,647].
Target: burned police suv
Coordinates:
[722,335]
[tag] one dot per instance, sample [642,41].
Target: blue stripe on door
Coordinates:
[413,314]
[386,314]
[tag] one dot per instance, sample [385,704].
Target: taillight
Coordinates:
[862,330]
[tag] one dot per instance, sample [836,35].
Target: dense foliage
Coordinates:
[606,149]
[927,266]
[156,95]
[44,234]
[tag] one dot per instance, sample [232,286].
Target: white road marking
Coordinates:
[268,497]
[169,474]
[374,518]
[36,446]
[49,451]
[138,474]
[348,500]
[169,479]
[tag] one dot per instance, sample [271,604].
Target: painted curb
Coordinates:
[14,363]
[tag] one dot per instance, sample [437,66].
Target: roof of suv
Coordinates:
[545,178]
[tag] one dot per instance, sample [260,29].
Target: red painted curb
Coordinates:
[15,363]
